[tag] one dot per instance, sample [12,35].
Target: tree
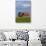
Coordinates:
[20,14]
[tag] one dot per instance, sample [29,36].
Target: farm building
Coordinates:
[23,14]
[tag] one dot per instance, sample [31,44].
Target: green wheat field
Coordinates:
[23,19]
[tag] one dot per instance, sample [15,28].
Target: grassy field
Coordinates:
[23,19]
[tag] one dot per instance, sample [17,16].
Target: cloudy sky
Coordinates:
[23,0]
[22,6]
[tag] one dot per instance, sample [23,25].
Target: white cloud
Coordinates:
[26,5]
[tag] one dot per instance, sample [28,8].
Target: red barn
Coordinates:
[26,14]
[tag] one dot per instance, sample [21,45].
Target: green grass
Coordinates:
[23,19]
